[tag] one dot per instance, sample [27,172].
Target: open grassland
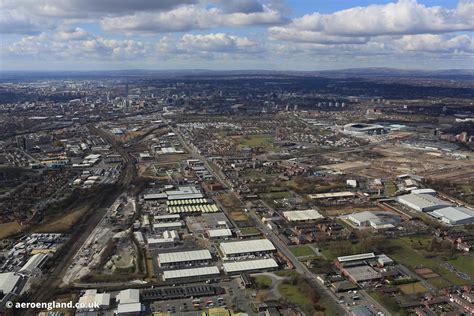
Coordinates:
[8,229]
[63,224]
[302,251]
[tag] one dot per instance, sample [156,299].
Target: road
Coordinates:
[325,293]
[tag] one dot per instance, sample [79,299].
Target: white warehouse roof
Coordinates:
[422,202]
[8,282]
[184,256]
[189,273]
[219,232]
[246,246]
[306,215]
[454,215]
[251,265]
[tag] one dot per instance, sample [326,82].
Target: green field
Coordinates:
[302,251]
[257,140]
[412,253]
[278,195]
[412,288]
[263,281]
[249,231]
[294,295]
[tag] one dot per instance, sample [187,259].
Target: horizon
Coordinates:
[265,35]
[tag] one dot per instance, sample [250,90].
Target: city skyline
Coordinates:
[249,34]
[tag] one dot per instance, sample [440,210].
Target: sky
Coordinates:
[235,34]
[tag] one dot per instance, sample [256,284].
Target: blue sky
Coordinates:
[235,34]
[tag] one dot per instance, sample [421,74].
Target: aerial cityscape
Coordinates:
[236,157]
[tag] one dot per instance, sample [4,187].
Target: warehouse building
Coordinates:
[167,226]
[250,266]
[219,233]
[255,247]
[92,298]
[454,215]
[359,268]
[377,219]
[184,258]
[34,264]
[194,274]
[422,202]
[10,286]
[302,216]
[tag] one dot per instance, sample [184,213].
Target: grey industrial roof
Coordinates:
[184,256]
[246,246]
[219,232]
[361,256]
[187,273]
[422,200]
[8,281]
[363,273]
[454,214]
[250,265]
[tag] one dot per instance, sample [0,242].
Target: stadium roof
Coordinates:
[184,256]
[188,273]
[246,246]
[250,265]
[294,216]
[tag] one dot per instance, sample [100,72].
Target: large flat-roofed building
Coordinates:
[260,265]
[374,219]
[184,193]
[184,258]
[454,215]
[167,226]
[255,247]
[193,274]
[361,274]
[302,216]
[219,233]
[422,202]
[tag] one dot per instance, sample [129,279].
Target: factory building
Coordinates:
[454,215]
[184,258]
[422,202]
[377,220]
[255,247]
[194,274]
[359,268]
[250,266]
[302,216]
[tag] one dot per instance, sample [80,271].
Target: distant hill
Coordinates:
[450,74]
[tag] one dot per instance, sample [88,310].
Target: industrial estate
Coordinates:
[236,194]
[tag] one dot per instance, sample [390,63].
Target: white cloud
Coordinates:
[208,43]
[186,18]
[401,18]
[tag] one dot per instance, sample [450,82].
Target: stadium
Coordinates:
[365,129]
